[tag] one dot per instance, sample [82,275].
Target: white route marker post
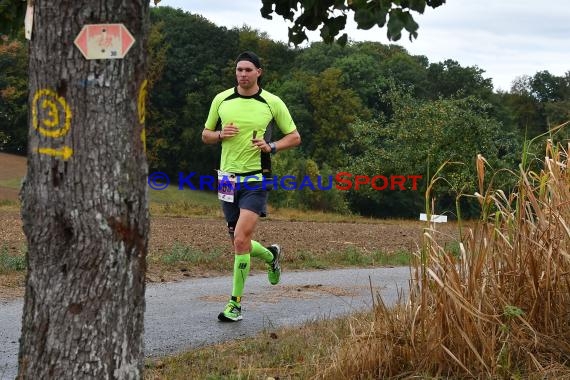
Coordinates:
[434,218]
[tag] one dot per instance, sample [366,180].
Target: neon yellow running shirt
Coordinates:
[249,114]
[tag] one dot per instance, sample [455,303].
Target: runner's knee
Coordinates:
[242,243]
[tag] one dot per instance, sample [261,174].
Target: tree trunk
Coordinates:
[84,199]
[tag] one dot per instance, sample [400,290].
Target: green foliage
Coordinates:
[320,56]
[13,95]
[329,16]
[540,102]
[417,139]
[546,87]
[334,106]
[449,79]
[293,91]
[11,16]
[525,109]
[308,260]
[352,256]
[9,203]
[512,311]
[407,71]
[157,53]
[324,197]
[557,112]
[362,72]
[553,95]
[3,140]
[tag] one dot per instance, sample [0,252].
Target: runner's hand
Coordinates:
[261,144]
[229,130]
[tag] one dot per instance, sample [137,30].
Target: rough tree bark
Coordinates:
[84,199]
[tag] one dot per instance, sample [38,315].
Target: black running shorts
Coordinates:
[252,198]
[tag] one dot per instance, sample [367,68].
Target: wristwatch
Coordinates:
[273,147]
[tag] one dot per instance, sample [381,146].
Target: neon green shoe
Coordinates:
[232,312]
[274,270]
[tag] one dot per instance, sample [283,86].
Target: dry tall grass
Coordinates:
[499,309]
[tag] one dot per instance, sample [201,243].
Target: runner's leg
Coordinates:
[257,250]
[232,311]
[242,248]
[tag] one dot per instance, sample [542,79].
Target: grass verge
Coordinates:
[184,261]
[10,263]
[14,183]
[287,353]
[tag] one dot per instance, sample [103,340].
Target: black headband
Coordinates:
[249,56]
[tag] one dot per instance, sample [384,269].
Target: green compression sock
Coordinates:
[257,250]
[241,270]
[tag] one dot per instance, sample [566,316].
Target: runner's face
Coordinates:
[247,74]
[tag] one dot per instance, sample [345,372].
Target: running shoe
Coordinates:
[274,270]
[232,312]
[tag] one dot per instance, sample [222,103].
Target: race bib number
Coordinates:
[226,186]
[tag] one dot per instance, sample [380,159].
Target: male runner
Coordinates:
[245,113]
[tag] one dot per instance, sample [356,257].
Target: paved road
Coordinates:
[183,315]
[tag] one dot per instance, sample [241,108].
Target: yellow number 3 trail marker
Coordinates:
[51,115]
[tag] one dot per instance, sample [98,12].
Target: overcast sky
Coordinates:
[505,38]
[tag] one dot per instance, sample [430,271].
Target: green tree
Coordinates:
[525,109]
[420,137]
[13,95]
[449,78]
[320,56]
[362,73]
[334,107]
[407,71]
[157,56]
[539,103]
[546,87]
[553,94]
[11,16]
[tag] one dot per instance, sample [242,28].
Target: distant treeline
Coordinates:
[367,109]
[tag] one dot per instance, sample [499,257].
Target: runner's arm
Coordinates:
[211,137]
[290,140]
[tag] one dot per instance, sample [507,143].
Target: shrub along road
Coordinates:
[183,315]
